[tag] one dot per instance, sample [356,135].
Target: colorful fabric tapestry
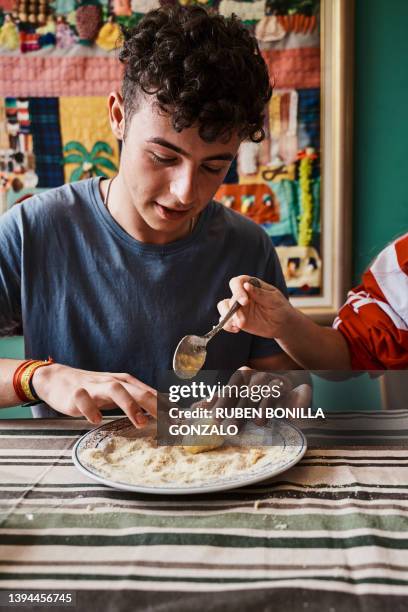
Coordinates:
[58,62]
[309,118]
[89,147]
[44,115]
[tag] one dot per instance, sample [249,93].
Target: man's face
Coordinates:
[170,177]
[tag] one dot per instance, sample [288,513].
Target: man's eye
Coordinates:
[162,160]
[213,170]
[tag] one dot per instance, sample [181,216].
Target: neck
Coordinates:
[123,210]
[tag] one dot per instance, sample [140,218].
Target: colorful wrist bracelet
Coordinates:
[16,380]
[22,379]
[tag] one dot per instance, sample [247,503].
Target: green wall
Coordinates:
[380,207]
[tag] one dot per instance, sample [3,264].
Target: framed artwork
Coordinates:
[337,53]
[58,61]
[297,183]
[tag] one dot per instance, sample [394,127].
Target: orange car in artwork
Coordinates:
[255,201]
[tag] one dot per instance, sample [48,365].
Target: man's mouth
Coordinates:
[171,213]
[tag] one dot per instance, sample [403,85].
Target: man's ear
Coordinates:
[116,114]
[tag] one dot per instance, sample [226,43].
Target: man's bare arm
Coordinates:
[76,392]
[8,396]
[267,312]
[277,362]
[315,347]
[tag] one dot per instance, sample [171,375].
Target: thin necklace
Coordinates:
[105,203]
[105,200]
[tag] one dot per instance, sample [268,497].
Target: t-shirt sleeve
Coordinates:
[373,319]
[10,273]
[272,274]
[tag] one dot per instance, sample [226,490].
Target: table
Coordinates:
[329,535]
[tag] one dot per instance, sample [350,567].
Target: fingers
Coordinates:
[132,380]
[231,324]
[243,380]
[244,291]
[230,401]
[242,288]
[106,377]
[144,395]
[237,322]
[108,391]
[145,398]
[267,295]
[237,288]
[258,304]
[130,406]
[87,392]
[86,406]
[300,396]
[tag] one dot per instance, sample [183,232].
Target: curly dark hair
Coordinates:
[203,70]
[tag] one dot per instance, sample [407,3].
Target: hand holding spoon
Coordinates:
[190,354]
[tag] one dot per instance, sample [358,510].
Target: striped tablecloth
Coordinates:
[329,535]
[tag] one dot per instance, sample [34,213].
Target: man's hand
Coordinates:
[83,393]
[265,311]
[290,389]
[286,390]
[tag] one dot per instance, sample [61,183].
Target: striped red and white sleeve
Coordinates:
[374,319]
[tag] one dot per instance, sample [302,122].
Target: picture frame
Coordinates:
[337,51]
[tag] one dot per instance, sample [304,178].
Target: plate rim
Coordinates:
[194,490]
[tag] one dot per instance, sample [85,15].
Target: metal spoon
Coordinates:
[190,354]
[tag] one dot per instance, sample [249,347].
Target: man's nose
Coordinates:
[184,187]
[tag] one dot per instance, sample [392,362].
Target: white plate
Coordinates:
[286,436]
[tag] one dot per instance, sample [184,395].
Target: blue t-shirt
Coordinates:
[86,293]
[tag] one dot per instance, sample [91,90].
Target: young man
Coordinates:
[107,276]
